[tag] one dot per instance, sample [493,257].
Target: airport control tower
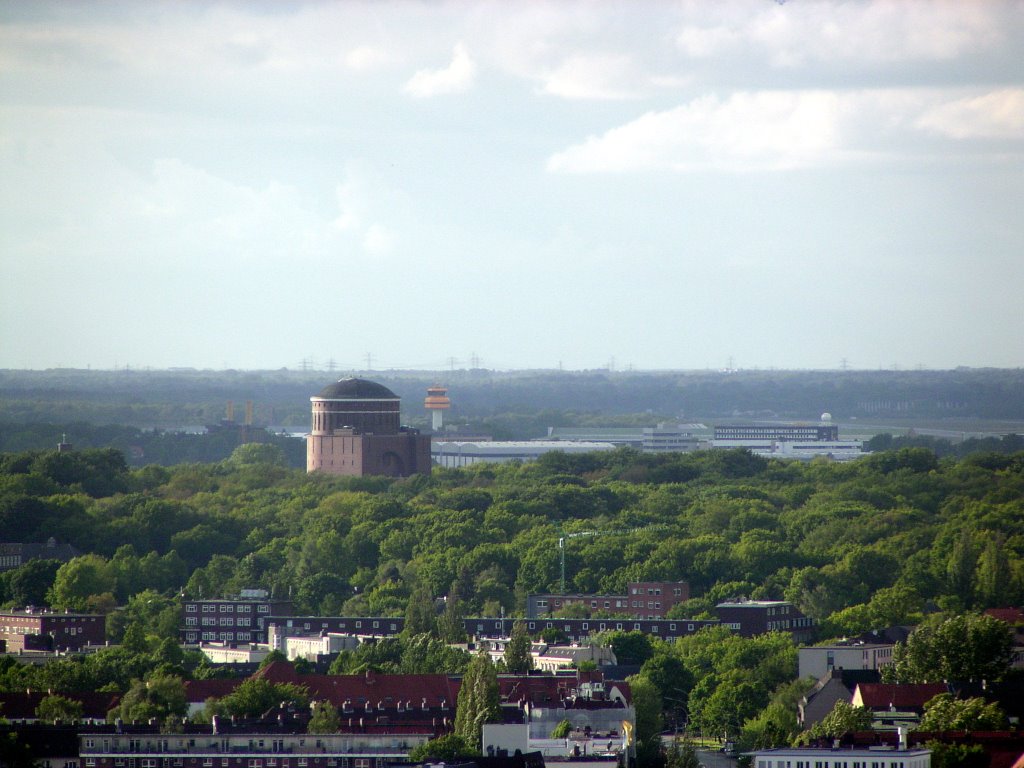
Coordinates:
[438,402]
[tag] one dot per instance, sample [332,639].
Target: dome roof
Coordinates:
[356,389]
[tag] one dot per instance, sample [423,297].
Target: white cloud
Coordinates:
[879,31]
[378,240]
[458,76]
[994,115]
[592,77]
[367,57]
[780,130]
[747,131]
[347,196]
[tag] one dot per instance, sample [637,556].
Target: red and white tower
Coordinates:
[438,402]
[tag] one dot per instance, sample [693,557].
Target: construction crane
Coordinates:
[581,534]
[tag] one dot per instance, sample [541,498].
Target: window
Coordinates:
[264,609]
[226,609]
[191,621]
[190,608]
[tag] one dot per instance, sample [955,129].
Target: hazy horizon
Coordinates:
[663,186]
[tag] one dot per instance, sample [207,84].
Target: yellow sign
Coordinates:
[627,729]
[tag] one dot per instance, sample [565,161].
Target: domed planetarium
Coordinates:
[357,431]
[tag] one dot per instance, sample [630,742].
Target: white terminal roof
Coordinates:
[483,448]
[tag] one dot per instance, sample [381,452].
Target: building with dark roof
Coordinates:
[14,554]
[356,430]
[241,619]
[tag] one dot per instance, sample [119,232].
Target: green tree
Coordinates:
[449,748]
[682,753]
[957,755]
[843,719]
[633,647]
[28,584]
[325,718]
[562,730]
[518,660]
[994,576]
[256,696]
[647,705]
[258,454]
[946,713]
[451,625]
[79,579]
[428,655]
[160,696]
[420,615]
[478,701]
[54,708]
[674,682]
[959,648]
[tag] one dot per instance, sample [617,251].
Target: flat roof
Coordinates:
[857,751]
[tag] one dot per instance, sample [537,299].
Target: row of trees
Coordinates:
[853,545]
[168,398]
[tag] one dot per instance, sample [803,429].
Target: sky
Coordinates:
[509,185]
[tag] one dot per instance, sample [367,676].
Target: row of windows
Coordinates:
[253,762]
[227,608]
[227,637]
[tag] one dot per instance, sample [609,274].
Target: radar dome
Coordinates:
[826,416]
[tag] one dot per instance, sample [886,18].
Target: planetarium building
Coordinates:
[356,430]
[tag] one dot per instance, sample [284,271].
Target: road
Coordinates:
[710,759]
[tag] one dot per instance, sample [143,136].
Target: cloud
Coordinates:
[879,31]
[994,115]
[781,130]
[366,58]
[592,77]
[455,78]
[378,240]
[747,131]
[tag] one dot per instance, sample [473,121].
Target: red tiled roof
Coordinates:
[1012,616]
[198,691]
[413,691]
[547,690]
[379,691]
[905,696]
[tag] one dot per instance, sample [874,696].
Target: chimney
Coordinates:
[902,731]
